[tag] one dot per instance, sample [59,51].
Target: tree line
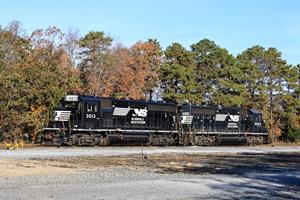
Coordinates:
[38,69]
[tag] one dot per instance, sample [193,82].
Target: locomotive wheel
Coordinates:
[104,140]
[160,140]
[202,141]
[260,140]
[92,141]
[170,141]
[251,141]
[212,141]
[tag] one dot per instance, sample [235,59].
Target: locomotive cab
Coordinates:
[77,112]
[88,112]
[255,122]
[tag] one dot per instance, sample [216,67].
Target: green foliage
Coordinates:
[270,87]
[218,75]
[96,62]
[154,62]
[177,75]
[95,42]
[293,135]
[13,47]
[32,83]
[229,88]
[207,62]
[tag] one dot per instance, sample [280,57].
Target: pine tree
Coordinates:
[177,75]
[266,84]
[96,59]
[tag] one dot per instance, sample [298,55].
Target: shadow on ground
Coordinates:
[272,176]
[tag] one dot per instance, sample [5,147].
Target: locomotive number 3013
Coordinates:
[90,116]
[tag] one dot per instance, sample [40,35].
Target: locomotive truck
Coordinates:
[91,120]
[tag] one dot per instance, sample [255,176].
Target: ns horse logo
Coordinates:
[140,112]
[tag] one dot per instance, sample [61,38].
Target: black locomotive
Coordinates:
[91,120]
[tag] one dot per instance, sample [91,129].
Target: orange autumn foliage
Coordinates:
[137,70]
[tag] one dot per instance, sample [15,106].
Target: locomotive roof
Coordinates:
[141,102]
[144,102]
[211,106]
[254,111]
[96,98]
[89,98]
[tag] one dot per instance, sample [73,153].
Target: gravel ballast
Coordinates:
[48,152]
[150,173]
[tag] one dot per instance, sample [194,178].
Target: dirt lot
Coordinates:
[223,175]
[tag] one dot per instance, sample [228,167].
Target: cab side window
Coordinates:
[91,107]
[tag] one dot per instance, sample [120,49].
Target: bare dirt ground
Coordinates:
[154,173]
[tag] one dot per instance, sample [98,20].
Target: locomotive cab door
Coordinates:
[91,115]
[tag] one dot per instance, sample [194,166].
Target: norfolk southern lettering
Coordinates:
[139,116]
[91,120]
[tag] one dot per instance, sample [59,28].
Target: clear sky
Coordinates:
[232,24]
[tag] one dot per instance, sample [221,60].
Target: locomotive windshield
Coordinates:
[69,102]
[258,118]
[69,105]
